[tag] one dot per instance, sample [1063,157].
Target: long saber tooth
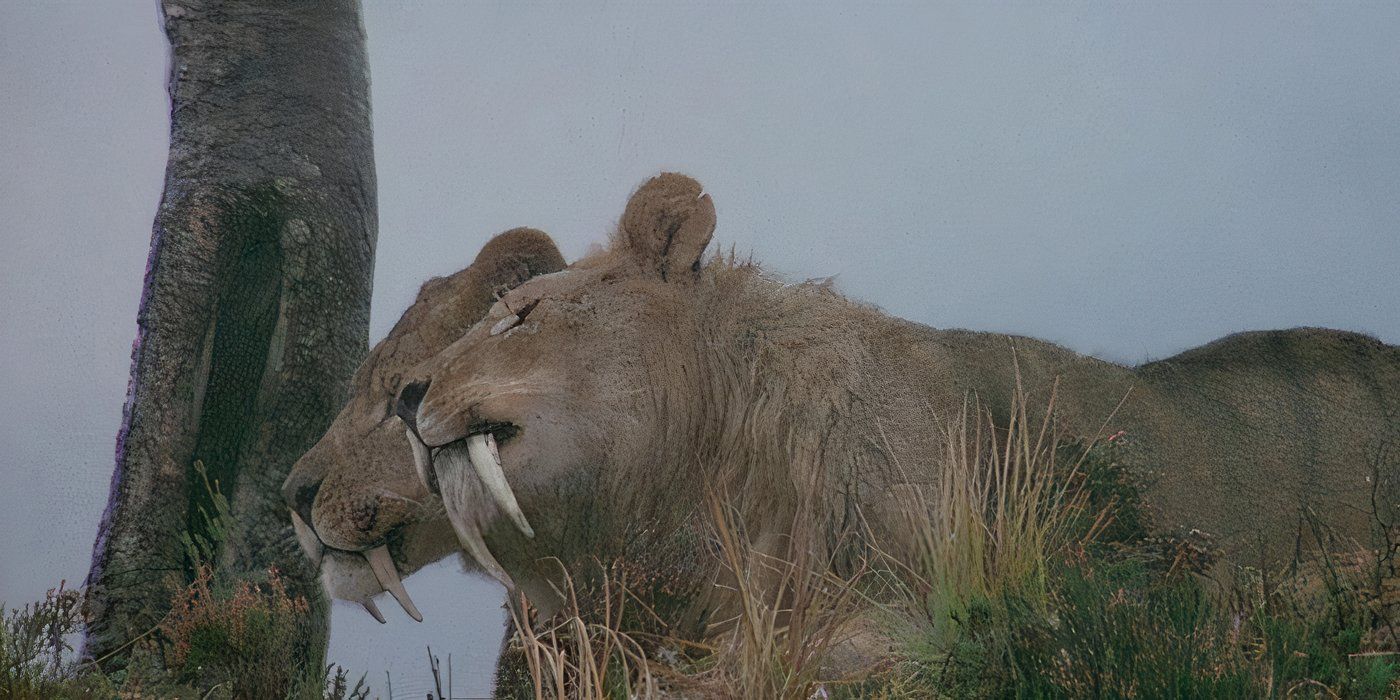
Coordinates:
[373,610]
[487,463]
[471,540]
[422,460]
[453,465]
[383,567]
[306,537]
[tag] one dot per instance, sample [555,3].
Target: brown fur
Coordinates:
[361,472]
[638,380]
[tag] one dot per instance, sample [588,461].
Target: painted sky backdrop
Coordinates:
[1127,180]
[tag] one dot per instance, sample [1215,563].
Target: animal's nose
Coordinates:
[301,496]
[409,398]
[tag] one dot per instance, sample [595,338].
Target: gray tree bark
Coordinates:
[255,310]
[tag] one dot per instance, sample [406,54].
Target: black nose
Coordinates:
[301,497]
[409,397]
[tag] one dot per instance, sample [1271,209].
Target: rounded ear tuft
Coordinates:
[513,257]
[668,223]
[528,246]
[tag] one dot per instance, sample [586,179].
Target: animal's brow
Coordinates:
[502,291]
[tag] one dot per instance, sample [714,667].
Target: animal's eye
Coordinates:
[514,319]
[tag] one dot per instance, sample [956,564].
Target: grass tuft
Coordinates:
[580,652]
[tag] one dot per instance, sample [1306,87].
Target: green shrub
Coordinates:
[35,649]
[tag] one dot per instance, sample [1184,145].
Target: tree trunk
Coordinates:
[255,310]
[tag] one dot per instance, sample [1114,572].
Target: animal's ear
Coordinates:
[668,223]
[447,306]
[513,257]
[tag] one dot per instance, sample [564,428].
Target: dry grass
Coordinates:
[789,614]
[999,508]
[579,653]
[793,613]
[1003,504]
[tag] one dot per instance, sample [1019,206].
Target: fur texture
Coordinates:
[357,486]
[624,387]
[637,379]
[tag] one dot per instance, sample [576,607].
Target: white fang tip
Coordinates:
[373,610]
[388,576]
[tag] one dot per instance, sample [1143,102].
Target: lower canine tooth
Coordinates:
[383,567]
[373,610]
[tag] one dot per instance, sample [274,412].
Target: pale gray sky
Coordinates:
[1126,179]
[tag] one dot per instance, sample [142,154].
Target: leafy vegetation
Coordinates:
[34,643]
[221,640]
[224,637]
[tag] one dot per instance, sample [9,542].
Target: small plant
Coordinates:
[35,650]
[203,540]
[335,685]
[236,634]
[228,637]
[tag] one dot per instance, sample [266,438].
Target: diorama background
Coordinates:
[1129,181]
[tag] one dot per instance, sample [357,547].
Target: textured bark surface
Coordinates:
[255,310]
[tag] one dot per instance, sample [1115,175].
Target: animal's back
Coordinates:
[1251,432]
[1238,438]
